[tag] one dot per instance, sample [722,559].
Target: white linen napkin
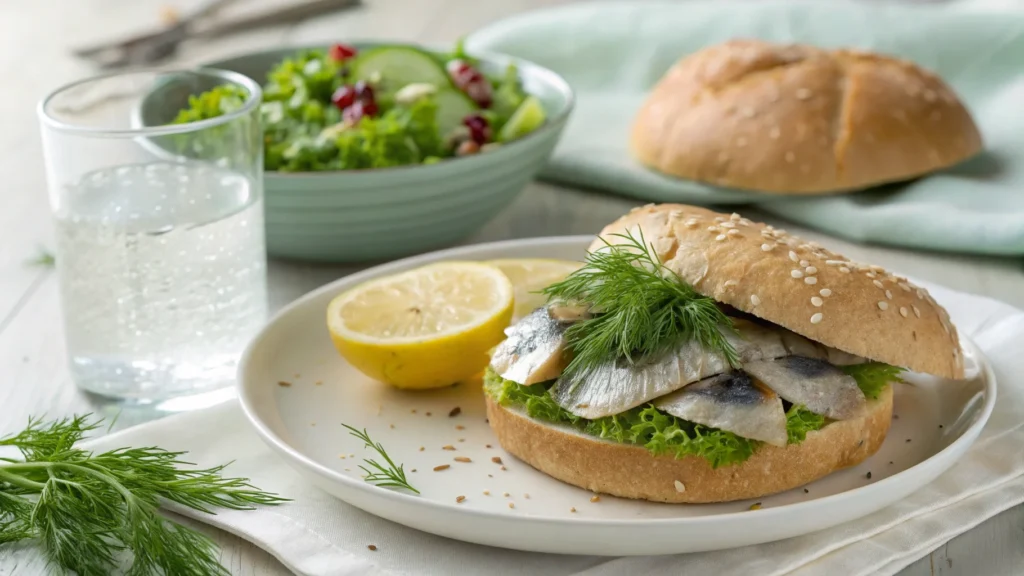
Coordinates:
[319,535]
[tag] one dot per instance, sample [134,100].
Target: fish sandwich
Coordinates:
[702,357]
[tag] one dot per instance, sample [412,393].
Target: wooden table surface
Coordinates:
[34,40]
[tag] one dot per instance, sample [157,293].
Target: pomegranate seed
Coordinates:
[357,110]
[479,130]
[364,91]
[341,52]
[457,68]
[479,92]
[344,97]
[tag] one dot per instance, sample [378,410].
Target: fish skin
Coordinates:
[534,351]
[817,385]
[616,386]
[733,402]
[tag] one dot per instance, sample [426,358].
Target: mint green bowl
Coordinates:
[361,215]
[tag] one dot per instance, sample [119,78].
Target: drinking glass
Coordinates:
[159,231]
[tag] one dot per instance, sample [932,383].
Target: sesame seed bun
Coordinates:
[633,472]
[799,285]
[795,119]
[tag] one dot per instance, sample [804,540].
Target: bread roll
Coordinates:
[795,119]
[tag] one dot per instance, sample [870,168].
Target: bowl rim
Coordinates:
[546,75]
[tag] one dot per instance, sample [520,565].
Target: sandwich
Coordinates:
[703,357]
[796,119]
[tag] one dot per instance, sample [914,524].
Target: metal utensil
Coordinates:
[151,47]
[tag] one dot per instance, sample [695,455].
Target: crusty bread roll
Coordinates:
[799,285]
[632,472]
[794,119]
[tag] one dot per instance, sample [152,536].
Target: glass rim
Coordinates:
[253,87]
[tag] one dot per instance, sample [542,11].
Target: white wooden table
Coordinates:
[34,38]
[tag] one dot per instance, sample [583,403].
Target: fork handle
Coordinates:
[288,14]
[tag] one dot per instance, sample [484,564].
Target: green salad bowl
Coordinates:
[378,214]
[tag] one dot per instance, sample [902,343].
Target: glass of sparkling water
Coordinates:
[159,232]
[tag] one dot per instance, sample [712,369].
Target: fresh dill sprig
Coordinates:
[88,510]
[392,475]
[641,308]
[43,259]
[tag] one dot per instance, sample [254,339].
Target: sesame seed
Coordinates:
[793,257]
[462,459]
[441,467]
[595,498]
[733,232]
[816,301]
[810,280]
[816,318]
[680,487]
[916,311]
[878,283]
[448,447]
[883,305]
[505,494]
[774,133]
[719,219]
[755,300]
[573,509]
[720,238]
[690,223]
[796,273]
[767,247]
[888,294]
[735,217]
[728,225]
[811,270]
[844,269]
[712,228]
[803,94]
[512,505]
[804,263]
[872,275]
[903,311]
[825,292]
[460,499]
[905,286]
[729,283]
[835,262]
[790,157]
[371,548]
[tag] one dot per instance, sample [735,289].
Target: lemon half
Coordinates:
[529,276]
[425,328]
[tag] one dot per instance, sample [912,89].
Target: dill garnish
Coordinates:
[641,308]
[43,259]
[86,510]
[391,475]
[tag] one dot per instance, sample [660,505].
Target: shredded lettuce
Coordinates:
[873,377]
[646,426]
[221,100]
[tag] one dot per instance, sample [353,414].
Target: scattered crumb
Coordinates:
[573,509]
[908,439]
[348,469]
[462,459]
[455,412]
[940,426]
[490,475]
[503,469]
[680,487]
[413,411]
[487,445]
[351,455]
[496,459]
[487,492]
[447,447]
[755,506]
[595,498]
[392,426]
[342,456]
[806,491]
[505,494]
[486,421]
[868,476]
[413,470]
[296,375]
[527,496]
[372,548]
[422,448]
[284,384]
[890,461]
[459,499]
[460,427]
[511,504]
[462,439]
[895,416]
[441,467]
[318,383]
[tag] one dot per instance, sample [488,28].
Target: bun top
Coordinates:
[795,119]
[799,285]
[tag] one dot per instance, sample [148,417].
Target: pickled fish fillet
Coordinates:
[819,386]
[616,386]
[733,402]
[534,350]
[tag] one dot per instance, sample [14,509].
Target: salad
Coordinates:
[346,109]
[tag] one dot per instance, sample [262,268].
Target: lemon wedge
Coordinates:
[528,276]
[425,328]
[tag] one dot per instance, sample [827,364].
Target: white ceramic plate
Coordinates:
[297,391]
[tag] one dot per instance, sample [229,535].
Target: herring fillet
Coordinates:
[534,350]
[819,386]
[733,402]
[618,385]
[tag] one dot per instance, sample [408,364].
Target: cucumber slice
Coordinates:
[527,118]
[452,107]
[398,66]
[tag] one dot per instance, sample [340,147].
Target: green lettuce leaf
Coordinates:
[223,99]
[873,377]
[646,426]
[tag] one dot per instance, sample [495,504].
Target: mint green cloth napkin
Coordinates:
[613,53]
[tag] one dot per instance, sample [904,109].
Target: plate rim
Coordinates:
[295,457]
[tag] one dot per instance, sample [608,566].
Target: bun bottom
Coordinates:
[633,472]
